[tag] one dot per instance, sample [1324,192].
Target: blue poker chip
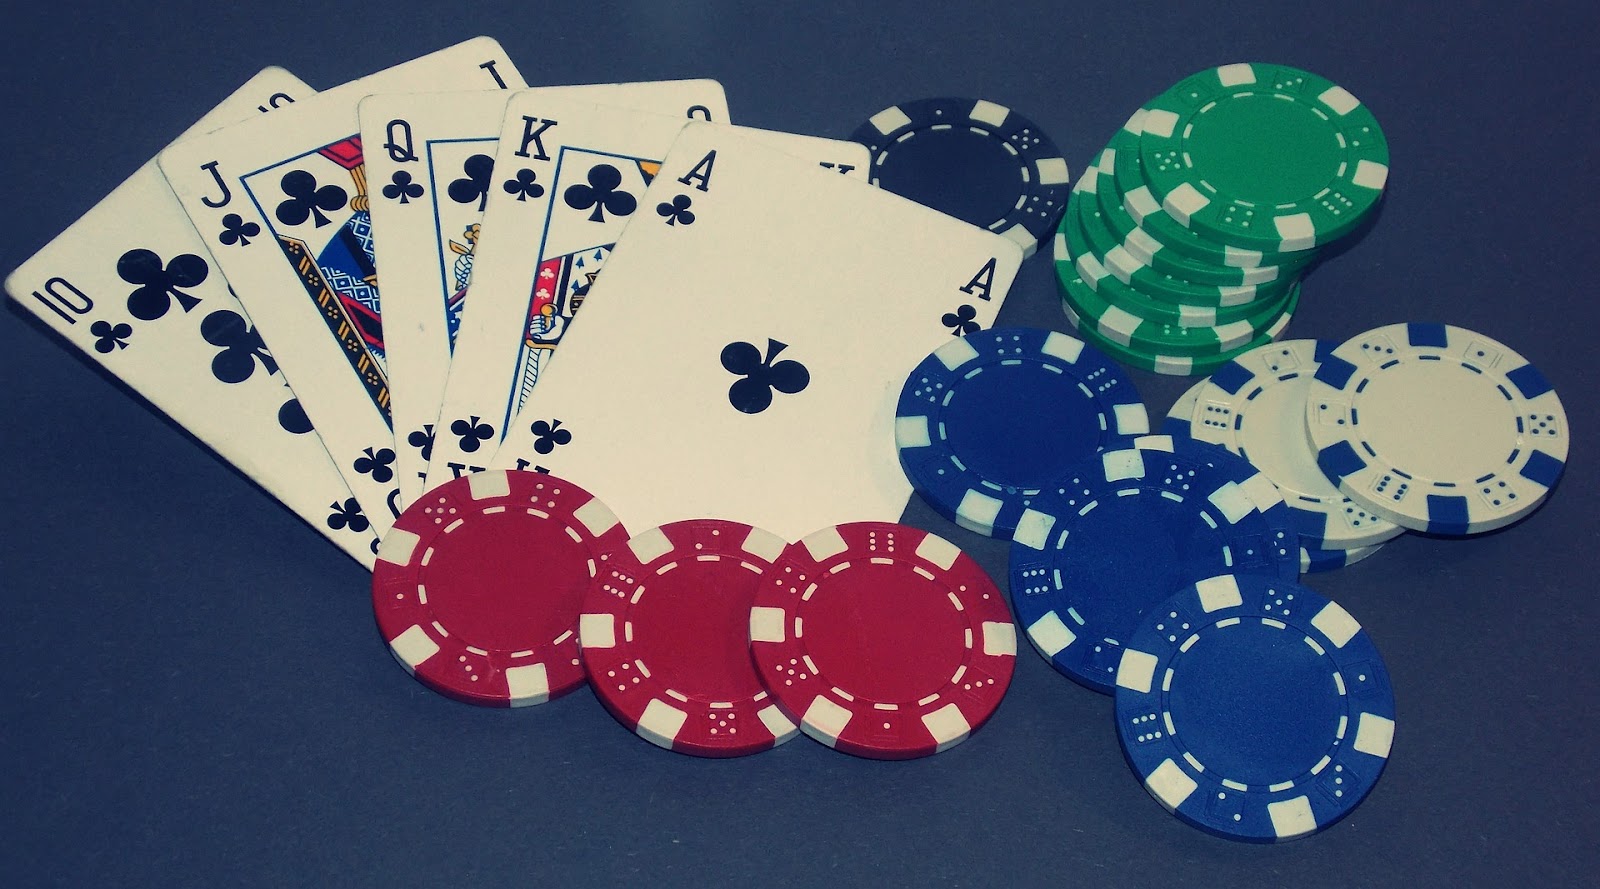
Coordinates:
[988,420]
[975,160]
[1254,708]
[1124,530]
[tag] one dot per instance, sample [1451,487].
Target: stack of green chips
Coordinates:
[1183,245]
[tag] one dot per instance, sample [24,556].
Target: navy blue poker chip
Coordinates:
[1124,530]
[1254,708]
[988,420]
[975,160]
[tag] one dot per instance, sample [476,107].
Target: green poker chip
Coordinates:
[1123,266]
[1148,250]
[1171,365]
[1075,255]
[1147,336]
[1132,203]
[1264,157]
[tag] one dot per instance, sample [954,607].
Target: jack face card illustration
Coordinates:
[286,208]
[430,158]
[741,355]
[136,288]
[569,177]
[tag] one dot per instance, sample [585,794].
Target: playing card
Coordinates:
[741,355]
[572,178]
[433,155]
[133,286]
[285,202]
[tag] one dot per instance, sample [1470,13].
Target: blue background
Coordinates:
[192,691]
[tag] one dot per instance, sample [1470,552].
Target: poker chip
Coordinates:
[478,585]
[882,640]
[1126,528]
[987,420]
[1437,428]
[1253,708]
[663,636]
[1173,365]
[1131,203]
[972,159]
[1116,322]
[1317,561]
[1144,247]
[1263,156]
[1130,270]
[1255,406]
[1075,251]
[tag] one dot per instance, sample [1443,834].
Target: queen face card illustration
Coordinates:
[741,354]
[430,159]
[136,288]
[569,177]
[285,206]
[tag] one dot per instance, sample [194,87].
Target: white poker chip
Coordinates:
[1437,428]
[1255,406]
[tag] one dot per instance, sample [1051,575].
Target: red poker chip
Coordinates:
[478,585]
[881,640]
[663,638]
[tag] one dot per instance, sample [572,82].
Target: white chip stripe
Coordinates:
[912,432]
[413,647]
[660,723]
[977,512]
[1170,785]
[1292,817]
[1066,348]
[1033,528]
[826,719]
[824,544]
[939,551]
[955,353]
[768,624]
[1374,735]
[763,544]
[528,685]
[1051,635]
[597,631]
[889,119]
[1053,171]
[1183,202]
[999,639]
[781,727]
[989,113]
[399,546]
[1237,74]
[1339,100]
[596,517]
[1216,593]
[948,726]
[1136,670]
[1370,174]
[650,545]
[489,485]
[1336,624]
[1296,232]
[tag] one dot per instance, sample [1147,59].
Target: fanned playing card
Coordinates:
[570,177]
[285,205]
[741,355]
[133,286]
[431,156]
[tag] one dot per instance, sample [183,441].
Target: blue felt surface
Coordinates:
[192,691]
